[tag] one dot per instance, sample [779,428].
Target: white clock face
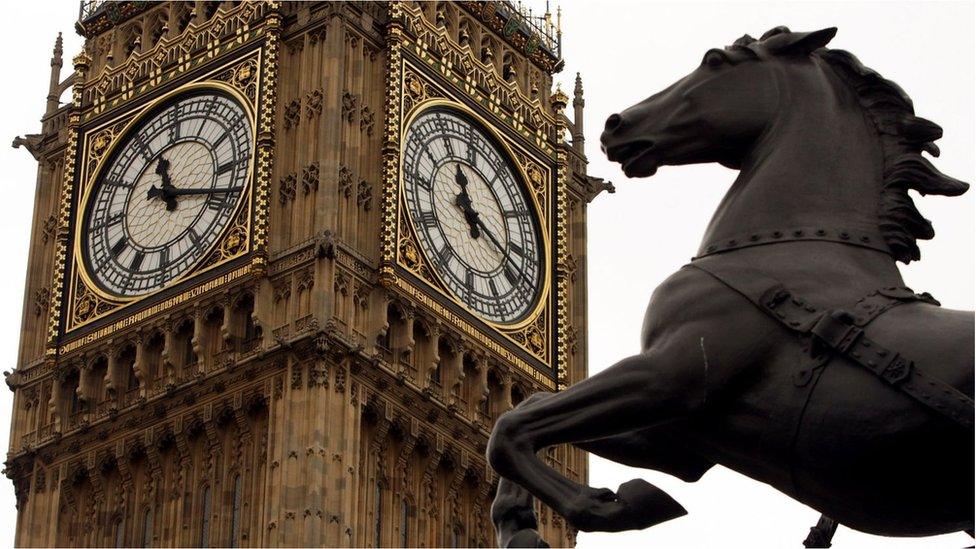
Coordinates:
[472,217]
[165,197]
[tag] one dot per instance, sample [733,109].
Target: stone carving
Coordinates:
[796,272]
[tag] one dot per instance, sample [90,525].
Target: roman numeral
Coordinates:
[220,139]
[514,213]
[103,222]
[429,219]
[137,261]
[517,249]
[118,246]
[163,258]
[117,183]
[469,280]
[226,167]
[194,237]
[217,204]
[510,275]
[445,254]
[493,288]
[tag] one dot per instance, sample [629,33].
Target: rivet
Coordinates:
[821,232]
[882,353]
[733,242]
[872,363]
[797,233]
[710,249]
[797,302]
[844,235]
[810,308]
[777,234]
[794,323]
[865,238]
[754,237]
[866,343]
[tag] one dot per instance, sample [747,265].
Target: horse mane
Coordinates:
[903,137]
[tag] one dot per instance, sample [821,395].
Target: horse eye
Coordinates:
[713,58]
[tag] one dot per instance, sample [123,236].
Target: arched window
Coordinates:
[404,523]
[120,531]
[378,515]
[147,527]
[235,516]
[205,518]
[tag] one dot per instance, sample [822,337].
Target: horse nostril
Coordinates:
[613,122]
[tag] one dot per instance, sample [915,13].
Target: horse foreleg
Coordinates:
[652,448]
[513,515]
[637,393]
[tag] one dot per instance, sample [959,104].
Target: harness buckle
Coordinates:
[837,330]
[897,370]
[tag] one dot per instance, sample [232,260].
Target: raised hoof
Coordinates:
[636,505]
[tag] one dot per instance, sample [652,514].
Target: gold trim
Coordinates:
[123,323]
[477,334]
[64,208]
[391,147]
[486,126]
[92,183]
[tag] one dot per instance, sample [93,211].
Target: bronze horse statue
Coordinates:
[789,349]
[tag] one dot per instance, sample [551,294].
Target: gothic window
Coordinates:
[404,524]
[378,515]
[120,531]
[235,516]
[518,395]
[205,518]
[147,527]
[185,337]
[435,374]
[486,405]
[96,380]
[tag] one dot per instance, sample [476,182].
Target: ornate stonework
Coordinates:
[310,382]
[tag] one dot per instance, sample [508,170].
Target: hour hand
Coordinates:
[165,194]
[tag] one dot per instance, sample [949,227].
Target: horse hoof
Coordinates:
[526,538]
[636,505]
[649,501]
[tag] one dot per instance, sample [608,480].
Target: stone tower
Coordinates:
[289,262]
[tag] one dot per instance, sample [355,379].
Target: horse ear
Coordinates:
[801,42]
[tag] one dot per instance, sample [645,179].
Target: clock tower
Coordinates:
[289,263]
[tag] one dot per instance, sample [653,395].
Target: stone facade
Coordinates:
[310,387]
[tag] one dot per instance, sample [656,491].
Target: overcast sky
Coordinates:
[641,234]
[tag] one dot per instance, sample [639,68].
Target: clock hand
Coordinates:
[162,169]
[463,201]
[180,192]
[501,249]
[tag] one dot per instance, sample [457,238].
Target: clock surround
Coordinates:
[508,209]
[90,310]
[146,243]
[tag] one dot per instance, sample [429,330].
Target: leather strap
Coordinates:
[841,333]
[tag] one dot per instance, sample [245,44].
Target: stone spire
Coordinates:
[54,86]
[578,114]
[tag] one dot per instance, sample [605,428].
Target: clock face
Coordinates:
[472,217]
[164,198]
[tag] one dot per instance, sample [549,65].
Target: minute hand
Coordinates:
[502,250]
[180,192]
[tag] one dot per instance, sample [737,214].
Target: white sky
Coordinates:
[625,52]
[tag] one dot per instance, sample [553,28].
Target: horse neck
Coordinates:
[814,169]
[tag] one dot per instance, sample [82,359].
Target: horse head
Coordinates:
[777,108]
[714,114]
